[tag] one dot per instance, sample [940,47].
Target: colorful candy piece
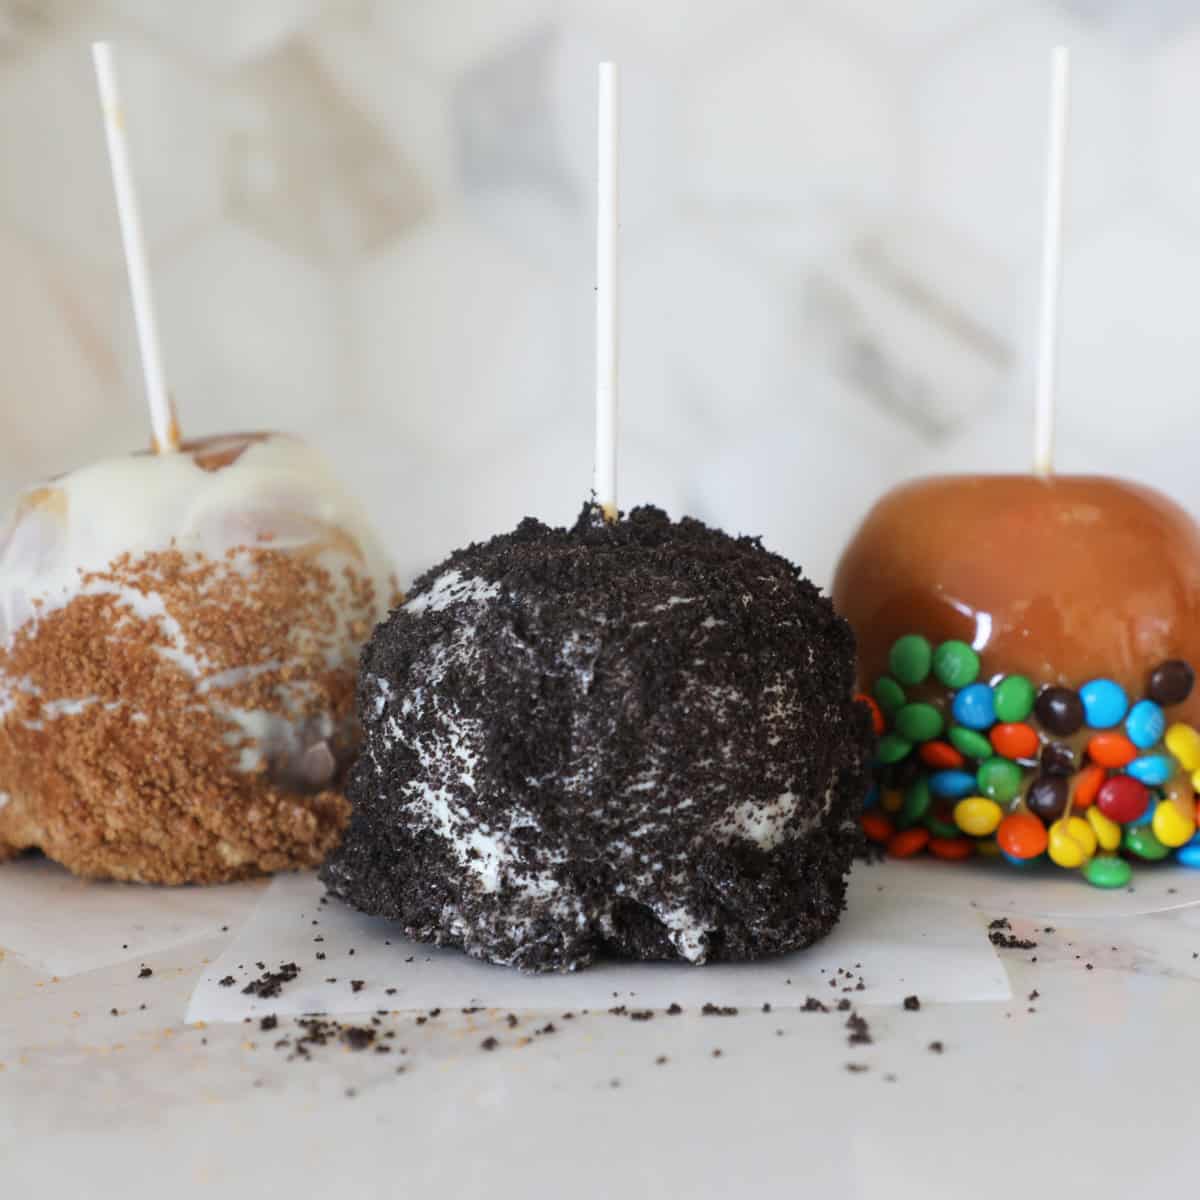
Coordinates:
[1113,750]
[890,695]
[1108,871]
[999,779]
[1184,743]
[951,785]
[908,842]
[919,722]
[892,801]
[1058,759]
[1047,797]
[911,658]
[1171,826]
[1141,840]
[1171,682]
[1104,703]
[1013,699]
[877,721]
[1153,770]
[1071,843]
[1122,799]
[878,826]
[978,816]
[1145,724]
[1108,832]
[1060,710]
[954,848]
[892,748]
[1188,856]
[871,800]
[955,664]
[970,742]
[1087,786]
[941,756]
[1015,739]
[917,800]
[975,707]
[1022,836]
[940,824]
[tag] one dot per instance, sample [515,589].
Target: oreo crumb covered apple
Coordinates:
[634,738]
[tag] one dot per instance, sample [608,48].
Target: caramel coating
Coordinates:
[1062,579]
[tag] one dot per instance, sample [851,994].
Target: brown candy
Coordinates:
[1061,580]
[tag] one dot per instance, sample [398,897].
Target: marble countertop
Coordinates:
[1091,1084]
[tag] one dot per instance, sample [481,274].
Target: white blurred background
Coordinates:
[371,222]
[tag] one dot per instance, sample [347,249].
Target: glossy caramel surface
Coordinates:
[1062,579]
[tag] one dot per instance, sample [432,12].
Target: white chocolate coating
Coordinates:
[218,499]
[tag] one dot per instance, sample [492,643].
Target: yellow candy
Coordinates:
[1072,842]
[1184,742]
[892,802]
[1107,831]
[977,815]
[1196,780]
[1170,825]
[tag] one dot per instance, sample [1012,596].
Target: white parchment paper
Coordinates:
[67,926]
[897,945]
[1043,890]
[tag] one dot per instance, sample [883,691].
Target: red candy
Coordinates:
[941,756]
[908,842]
[1122,799]
[1022,835]
[1087,785]
[877,722]
[951,848]
[1015,740]
[878,826]
[1111,750]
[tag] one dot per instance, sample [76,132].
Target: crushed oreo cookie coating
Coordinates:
[633,739]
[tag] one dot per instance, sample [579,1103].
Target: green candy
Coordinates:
[1107,871]
[892,748]
[917,800]
[919,722]
[942,829]
[1014,698]
[969,742]
[1142,841]
[890,695]
[999,779]
[911,658]
[955,664]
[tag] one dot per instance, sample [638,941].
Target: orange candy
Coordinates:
[877,722]
[1087,785]
[952,848]
[1015,740]
[878,826]
[1022,835]
[941,756]
[908,842]
[1111,750]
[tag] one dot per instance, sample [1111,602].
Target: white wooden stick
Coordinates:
[606,293]
[162,411]
[1047,366]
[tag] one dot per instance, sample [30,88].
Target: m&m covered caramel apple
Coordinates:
[179,638]
[1027,644]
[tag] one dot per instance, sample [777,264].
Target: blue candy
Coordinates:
[1145,725]
[1189,855]
[1104,703]
[952,785]
[872,798]
[1152,769]
[1014,861]
[975,707]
